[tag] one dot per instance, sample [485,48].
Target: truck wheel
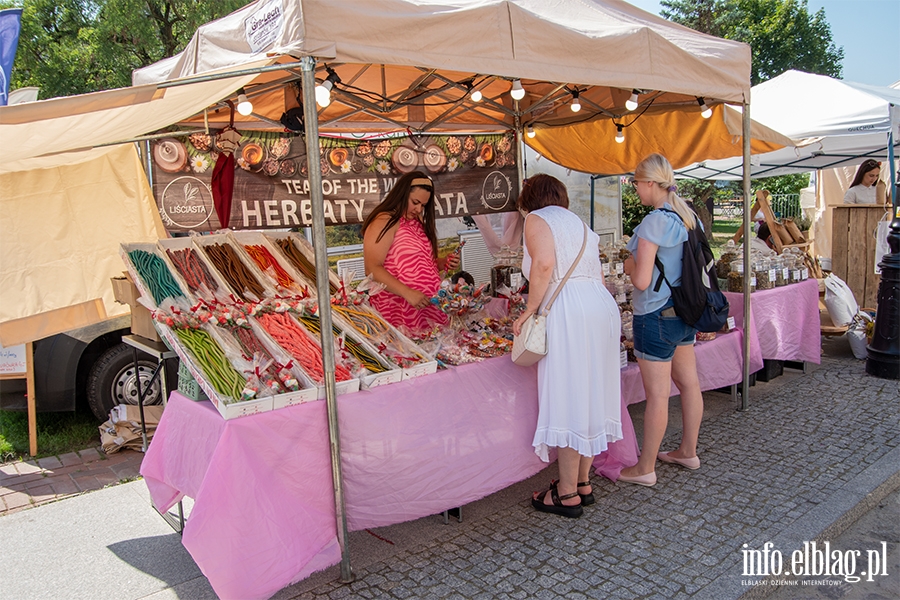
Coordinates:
[113,380]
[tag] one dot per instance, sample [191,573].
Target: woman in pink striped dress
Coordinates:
[400,251]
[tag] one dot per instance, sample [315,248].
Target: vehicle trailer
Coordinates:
[90,364]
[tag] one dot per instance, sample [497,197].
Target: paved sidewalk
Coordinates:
[26,484]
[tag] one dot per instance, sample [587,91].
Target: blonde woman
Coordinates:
[663,343]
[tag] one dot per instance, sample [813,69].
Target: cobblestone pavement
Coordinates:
[26,484]
[793,469]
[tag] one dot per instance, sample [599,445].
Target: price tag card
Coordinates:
[730,323]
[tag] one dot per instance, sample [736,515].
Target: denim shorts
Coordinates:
[656,336]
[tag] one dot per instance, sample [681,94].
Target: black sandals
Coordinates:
[586,499]
[557,508]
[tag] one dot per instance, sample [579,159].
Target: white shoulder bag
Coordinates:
[530,345]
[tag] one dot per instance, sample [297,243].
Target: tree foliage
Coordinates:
[77,46]
[633,212]
[782,34]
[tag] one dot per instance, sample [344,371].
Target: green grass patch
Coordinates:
[57,433]
[722,231]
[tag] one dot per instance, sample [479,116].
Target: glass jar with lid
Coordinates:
[765,274]
[736,278]
[506,274]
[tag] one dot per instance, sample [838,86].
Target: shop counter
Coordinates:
[264,516]
[785,321]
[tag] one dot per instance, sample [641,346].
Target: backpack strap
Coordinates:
[658,263]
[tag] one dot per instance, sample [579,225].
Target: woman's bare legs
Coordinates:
[571,466]
[656,377]
[684,374]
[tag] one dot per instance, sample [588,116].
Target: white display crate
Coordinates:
[228,410]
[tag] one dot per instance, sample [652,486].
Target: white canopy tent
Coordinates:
[835,123]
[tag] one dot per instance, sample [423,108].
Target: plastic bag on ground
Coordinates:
[839,301]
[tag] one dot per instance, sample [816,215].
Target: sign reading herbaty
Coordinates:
[472,175]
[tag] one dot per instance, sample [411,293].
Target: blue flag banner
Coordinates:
[10,24]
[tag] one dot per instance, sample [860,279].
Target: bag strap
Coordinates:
[572,268]
[658,263]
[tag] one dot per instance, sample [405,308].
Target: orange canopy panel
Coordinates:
[683,136]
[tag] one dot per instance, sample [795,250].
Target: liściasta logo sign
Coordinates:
[496,190]
[815,564]
[263,26]
[186,203]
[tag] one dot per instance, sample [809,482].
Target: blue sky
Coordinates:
[868,30]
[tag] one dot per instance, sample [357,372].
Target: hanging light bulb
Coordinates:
[705,111]
[517,92]
[529,131]
[245,107]
[323,90]
[576,104]
[632,103]
[476,96]
[620,135]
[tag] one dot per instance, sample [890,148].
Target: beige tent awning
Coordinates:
[413,63]
[74,123]
[60,232]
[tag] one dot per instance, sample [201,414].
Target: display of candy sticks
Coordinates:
[155,273]
[285,330]
[191,267]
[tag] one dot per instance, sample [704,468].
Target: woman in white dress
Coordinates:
[578,379]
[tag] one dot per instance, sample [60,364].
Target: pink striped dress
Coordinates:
[409,259]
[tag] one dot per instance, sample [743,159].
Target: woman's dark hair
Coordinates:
[542,190]
[396,202]
[866,166]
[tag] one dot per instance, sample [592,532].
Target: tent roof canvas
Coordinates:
[590,43]
[834,122]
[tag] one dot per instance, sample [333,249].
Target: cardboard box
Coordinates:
[125,292]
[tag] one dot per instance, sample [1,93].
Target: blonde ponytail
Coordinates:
[684,211]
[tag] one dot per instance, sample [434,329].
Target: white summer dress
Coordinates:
[578,380]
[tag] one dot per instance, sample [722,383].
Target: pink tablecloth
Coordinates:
[264,515]
[785,321]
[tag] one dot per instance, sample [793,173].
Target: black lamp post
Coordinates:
[884,351]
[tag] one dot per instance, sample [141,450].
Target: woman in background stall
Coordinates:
[400,252]
[663,343]
[862,189]
[579,408]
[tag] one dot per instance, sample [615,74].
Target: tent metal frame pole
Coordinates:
[230,74]
[308,68]
[745,385]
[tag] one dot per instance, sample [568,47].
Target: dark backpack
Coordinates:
[698,301]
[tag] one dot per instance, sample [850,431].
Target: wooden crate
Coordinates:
[853,249]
